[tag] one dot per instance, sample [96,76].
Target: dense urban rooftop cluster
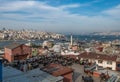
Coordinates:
[93,59]
[9,34]
[51,60]
[107,33]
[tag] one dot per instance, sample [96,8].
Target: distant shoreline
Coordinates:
[87,38]
[9,40]
[75,36]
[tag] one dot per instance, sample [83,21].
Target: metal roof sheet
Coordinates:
[13,75]
[13,45]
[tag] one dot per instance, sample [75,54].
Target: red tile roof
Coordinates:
[70,56]
[57,70]
[91,55]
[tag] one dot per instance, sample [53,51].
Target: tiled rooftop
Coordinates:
[57,70]
[91,55]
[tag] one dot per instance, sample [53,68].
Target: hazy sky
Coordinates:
[66,16]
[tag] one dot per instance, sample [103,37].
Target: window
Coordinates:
[16,57]
[118,65]
[109,62]
[100,61]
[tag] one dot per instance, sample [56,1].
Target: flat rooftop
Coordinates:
[13,75]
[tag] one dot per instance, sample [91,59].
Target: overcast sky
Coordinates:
[65,16]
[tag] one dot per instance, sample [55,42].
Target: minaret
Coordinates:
[71,40]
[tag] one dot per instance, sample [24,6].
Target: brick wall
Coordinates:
[22,51]
[26,49]
[17,51]
[68,77]
[7,54]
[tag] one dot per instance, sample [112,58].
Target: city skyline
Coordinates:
[69,16]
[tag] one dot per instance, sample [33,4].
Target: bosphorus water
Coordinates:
[75,37]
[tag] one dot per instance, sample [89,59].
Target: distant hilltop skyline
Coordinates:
[11,34]
[114,32]
[61,16]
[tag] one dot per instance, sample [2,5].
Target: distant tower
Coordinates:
[71,40]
